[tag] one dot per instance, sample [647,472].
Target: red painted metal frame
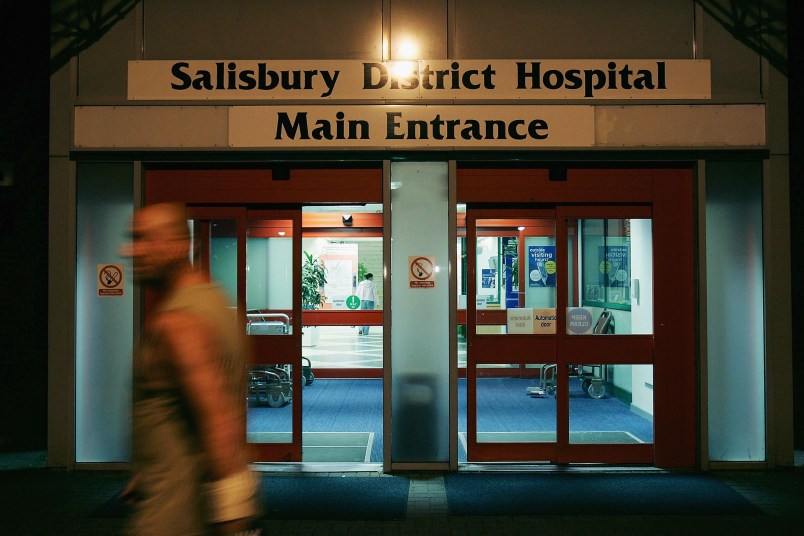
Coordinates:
[675,319]
[206,192]
[500,349]
[665,196]
[608,349]
[342,318]
[280,348]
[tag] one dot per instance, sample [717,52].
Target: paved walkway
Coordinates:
[36,500]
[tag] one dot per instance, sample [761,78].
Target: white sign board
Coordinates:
[544,320]
[444,80]
[340,261]
[440,126]
[520,321]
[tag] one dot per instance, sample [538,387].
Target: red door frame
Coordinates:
[607,349]
[282,349]
[669,194]
[210,194]
[208,187]
[499,349]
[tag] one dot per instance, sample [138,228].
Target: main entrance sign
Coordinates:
[411,126]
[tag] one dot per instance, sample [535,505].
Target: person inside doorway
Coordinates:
[189,451]
[367,293]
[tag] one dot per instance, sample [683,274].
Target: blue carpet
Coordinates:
[504,406]
[341,498]
[318,497]
[330,405]
[592,494]
[347,405]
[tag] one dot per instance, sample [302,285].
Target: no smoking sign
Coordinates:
[422,271]
[110,280]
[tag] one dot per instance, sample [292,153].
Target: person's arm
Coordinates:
[193,352]
[194,349]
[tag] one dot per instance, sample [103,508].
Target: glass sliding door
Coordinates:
[511,322]
[274,380]
[342,333]
[251,255]
[560,335]
[605,343]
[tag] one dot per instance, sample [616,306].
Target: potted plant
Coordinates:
[314,277]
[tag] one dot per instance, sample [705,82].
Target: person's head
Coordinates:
[369,276]
[160,243]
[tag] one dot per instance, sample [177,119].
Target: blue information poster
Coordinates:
[489,278]
[510,249]
[615,270]
[541,266]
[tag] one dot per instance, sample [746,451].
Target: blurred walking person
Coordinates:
[189,455]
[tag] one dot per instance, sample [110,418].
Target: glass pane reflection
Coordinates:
[269,399]
[214,247]
[515,404]
[269,277]
[516,268]
[612,290]
[611,404]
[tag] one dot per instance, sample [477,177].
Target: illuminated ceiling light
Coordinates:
[403,69]
[520,228]
[281,233]
[407,50]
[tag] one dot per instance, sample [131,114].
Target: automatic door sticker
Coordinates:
[544,320]
[110,280]
[520,321]
[422,272]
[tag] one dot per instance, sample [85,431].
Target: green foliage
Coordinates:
[314,277]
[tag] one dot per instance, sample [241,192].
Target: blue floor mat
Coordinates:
[317,497]
[592,494]
[320,497]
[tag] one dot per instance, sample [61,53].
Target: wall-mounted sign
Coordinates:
[421,271]
[541,266]
[340,261]
[614,270]
[488,278]
[544,320]
[455,80]
[110,280]
[411,126]
[353,302]
[579,321]
[523,321]
[519,321]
